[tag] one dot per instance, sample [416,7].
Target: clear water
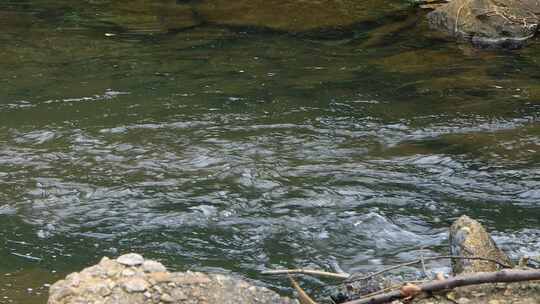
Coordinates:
[220,147]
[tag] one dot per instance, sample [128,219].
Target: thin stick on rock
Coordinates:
[503,276]
[352,278]
[309,271]
[424,270]
[395,286]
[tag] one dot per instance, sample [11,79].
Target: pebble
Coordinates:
[463,300]
[128,273]
[179,295]
[130,259]
[153,266]
[135,285]
[166,298]
[160,277]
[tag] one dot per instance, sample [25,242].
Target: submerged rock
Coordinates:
[142,16]
[282,15]
[132,280]
[294,15]
[492,23]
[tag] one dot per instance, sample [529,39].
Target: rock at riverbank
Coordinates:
[492,23]
[141,16]
[131,279]
[468,238]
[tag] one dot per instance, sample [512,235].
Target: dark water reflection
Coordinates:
[224,149]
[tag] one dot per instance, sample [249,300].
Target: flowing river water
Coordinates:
[215,143]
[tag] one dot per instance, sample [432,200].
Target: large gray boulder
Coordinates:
[491,23]
[131,279]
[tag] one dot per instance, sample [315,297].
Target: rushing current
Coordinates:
[216,146]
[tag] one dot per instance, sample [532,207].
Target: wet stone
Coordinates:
[293,16]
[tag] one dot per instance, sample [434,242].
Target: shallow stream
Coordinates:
[216,143]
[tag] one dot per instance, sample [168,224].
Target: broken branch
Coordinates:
[302,295]
[352,279]
[503,276]
[308,271]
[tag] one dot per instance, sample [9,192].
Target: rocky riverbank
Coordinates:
[130,279]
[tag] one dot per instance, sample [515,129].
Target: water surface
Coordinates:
[214,146]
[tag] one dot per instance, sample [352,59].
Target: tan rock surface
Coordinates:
[132,280]
[468,238]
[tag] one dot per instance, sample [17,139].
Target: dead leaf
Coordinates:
[439,276]
[409,291]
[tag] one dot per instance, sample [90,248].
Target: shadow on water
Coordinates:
[238,143]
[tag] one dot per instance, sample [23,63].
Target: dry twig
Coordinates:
[503,276]
[395,286]
[302,295]
[309,271]
[424,270]
[352,278]
[457,17]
